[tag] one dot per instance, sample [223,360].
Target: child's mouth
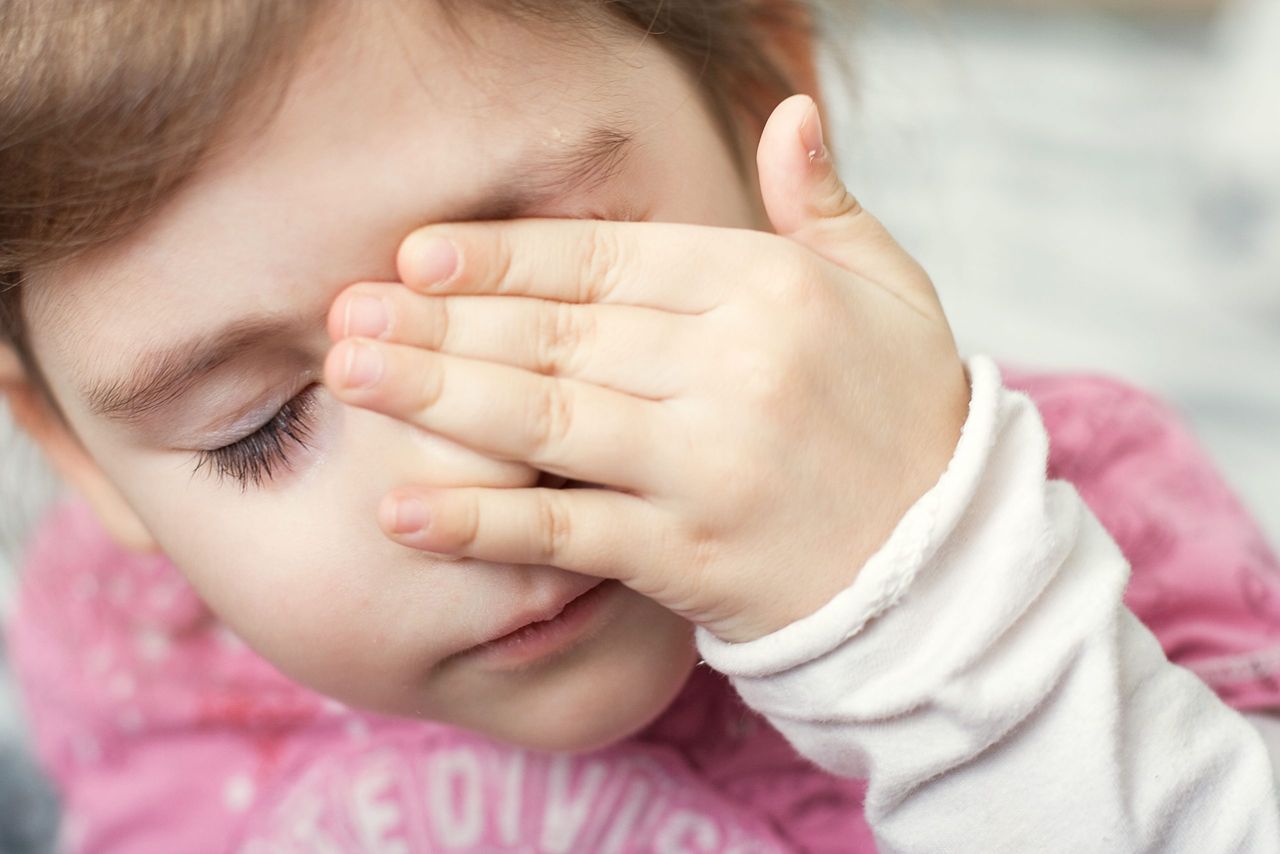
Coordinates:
[578,619]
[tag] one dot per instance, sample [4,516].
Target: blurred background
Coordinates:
[1093,185]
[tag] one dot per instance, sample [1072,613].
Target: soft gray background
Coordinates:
[1089,191]
[1095,192]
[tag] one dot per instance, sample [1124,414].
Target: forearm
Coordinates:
[985,676]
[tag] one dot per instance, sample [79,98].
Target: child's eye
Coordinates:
[257,456]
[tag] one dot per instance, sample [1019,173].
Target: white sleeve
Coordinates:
[984,675]
[1268,726]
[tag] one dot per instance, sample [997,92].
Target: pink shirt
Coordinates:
[165,733]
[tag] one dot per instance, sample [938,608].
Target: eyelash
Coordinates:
[256,457]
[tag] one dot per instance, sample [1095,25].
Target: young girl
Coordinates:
[478,386]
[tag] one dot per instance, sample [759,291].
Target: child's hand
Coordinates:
[762,408]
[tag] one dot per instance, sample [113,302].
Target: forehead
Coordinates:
[390,118]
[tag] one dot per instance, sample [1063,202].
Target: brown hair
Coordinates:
[107,106]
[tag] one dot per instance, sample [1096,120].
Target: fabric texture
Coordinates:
[164,732]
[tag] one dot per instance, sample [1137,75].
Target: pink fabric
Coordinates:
[165,733]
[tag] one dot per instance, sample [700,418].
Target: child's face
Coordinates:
[385,129]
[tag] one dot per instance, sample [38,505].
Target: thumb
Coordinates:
[807,201]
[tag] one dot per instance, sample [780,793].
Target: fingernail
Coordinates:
[433,262]
[364,366]
[366,316]
[410,515]
[811,134]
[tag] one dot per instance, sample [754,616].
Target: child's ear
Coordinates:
[38,419]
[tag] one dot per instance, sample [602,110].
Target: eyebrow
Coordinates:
[165,376]
[597,158]
[161,377]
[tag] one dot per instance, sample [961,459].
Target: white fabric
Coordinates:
[984,674]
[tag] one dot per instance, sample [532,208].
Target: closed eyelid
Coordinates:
[257,457]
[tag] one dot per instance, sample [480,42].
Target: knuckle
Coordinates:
[763,376]
[703,553]
[563,330]
[502,261]
[554,525]
[467,531]
[551,417]
[439,322]
[602,259]
[430,386]
[700,546]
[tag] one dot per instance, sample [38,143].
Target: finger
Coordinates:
[598,344]
[808,201]
[562,426]
[596,532]
[584,261]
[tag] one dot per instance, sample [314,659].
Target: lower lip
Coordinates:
[537,640]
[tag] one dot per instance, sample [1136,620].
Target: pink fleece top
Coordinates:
[165,733]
